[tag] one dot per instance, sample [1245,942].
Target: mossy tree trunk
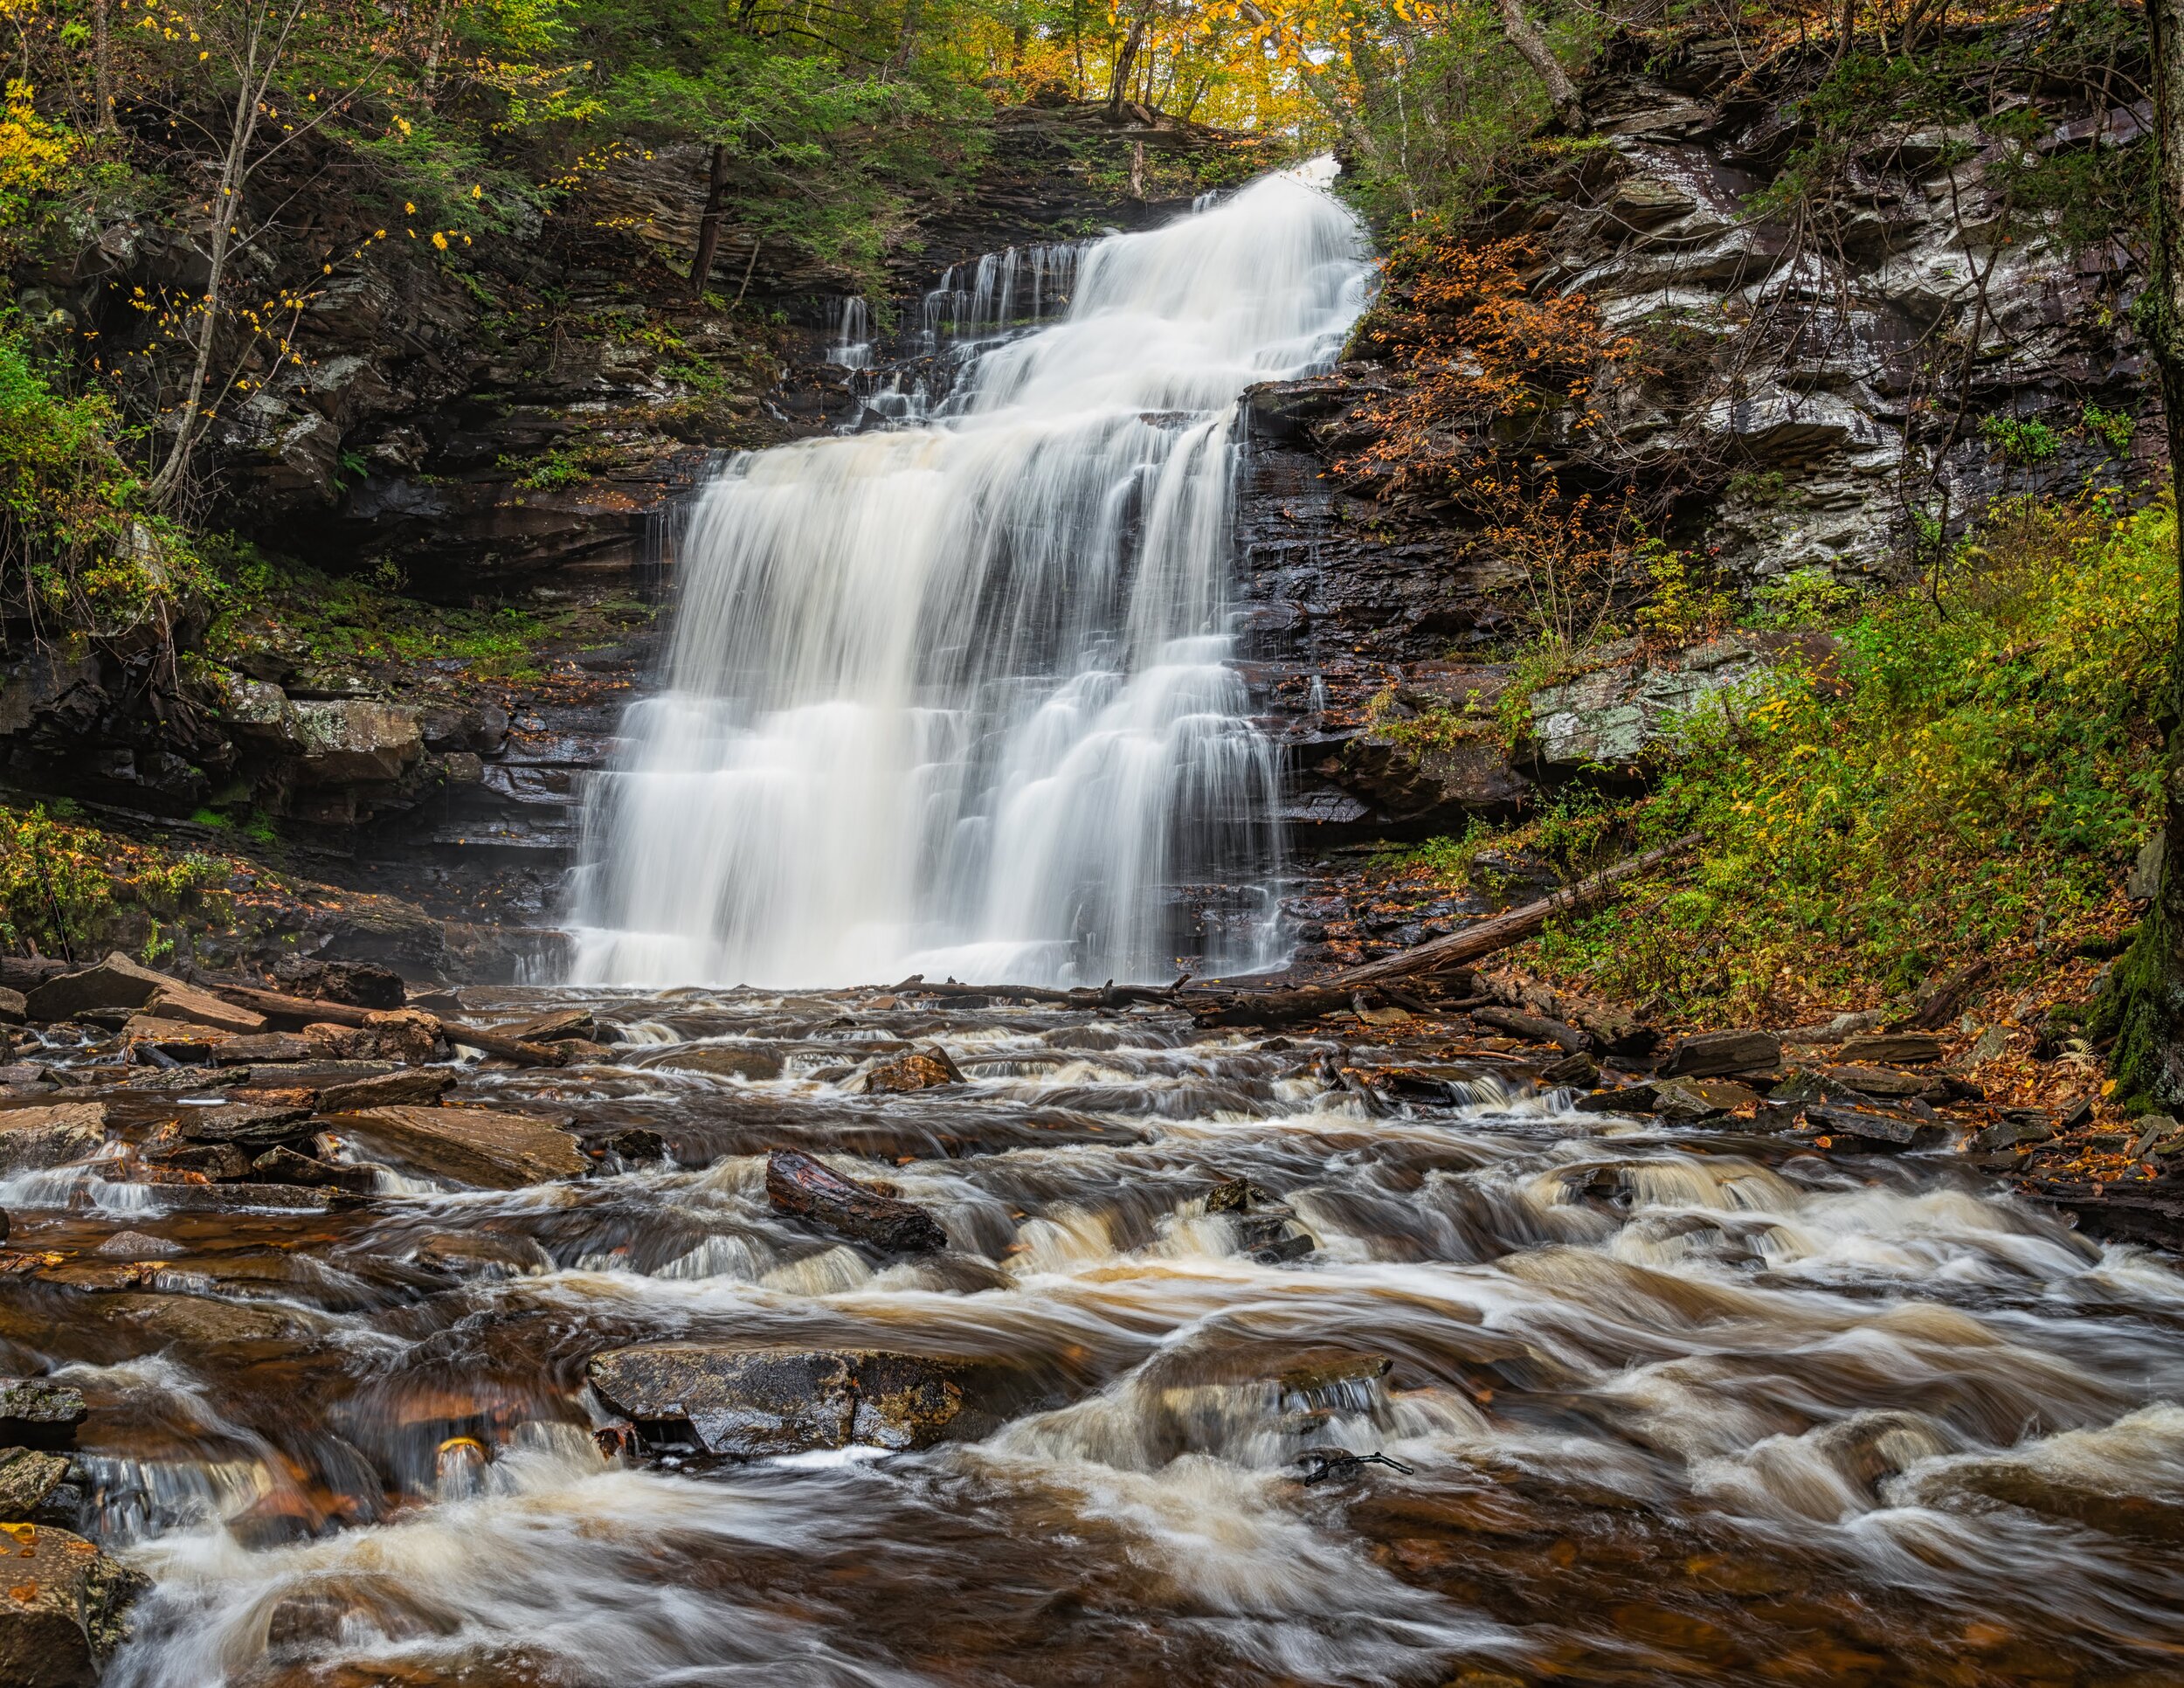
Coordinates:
[2143,1006]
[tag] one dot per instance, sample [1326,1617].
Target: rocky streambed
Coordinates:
[875,1337]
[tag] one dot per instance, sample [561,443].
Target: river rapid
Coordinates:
[1667,1406]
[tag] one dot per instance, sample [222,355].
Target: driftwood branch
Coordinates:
[1487,937]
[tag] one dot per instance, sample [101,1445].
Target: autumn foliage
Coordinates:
[1493,400]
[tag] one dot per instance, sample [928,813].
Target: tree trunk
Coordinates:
[710,224]
[1846,28]
[906,43]
[227,205]
[1524,36]
[1118,85]
[102,62]
[2143,1006]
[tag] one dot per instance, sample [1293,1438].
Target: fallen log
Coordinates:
[1273,1007]
[278,1007]
[506,1048]
[1568,1039]
[1487,937]
[1109,995]
[798,1185]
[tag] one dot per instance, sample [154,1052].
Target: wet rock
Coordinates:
[202,1320]
[194,1007]
[721,1060]
[115,986]
[137,1245]
[407,1036]
[751,1404]
[38,1413]
[418,1087]
[1580,1071]
[481,1146]
[27,1476]
[214,1160]
[1283,1247]
[1705,1054]
[483,1254]
[1237,1195]
[920,1069]
[178,1039]
[34,1138]
[359,984]
[255,1123]
[1859,1130]
[798,1185]
[277,1048]
[64,1607]
[13,1010]
[1631,1099]
[320,1074]
[634,1145]
[1701,1098]
[286,1167]
[554,1027]
[246,1196]
[1904,1048]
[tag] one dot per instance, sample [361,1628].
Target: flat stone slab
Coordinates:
[34,1138]
[483,1146]
[756,1403]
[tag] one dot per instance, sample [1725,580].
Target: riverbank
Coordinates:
[1184,1276]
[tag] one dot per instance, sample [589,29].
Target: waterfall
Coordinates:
[957,697]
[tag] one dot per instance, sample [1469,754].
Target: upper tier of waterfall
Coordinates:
[955,697]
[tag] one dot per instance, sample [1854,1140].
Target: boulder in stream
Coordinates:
[920,1069]
[755,1403]
[483,1146]
[63,1607]
[799,1185]
[721,1060]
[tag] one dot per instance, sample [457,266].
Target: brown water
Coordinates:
[1678,1408]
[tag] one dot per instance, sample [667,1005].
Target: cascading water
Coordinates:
[957,697]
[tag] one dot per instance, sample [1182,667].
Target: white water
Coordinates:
[957,697]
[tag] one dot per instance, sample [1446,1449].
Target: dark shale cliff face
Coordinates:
[528,443]
[1816,400]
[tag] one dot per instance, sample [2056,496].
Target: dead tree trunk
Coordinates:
[797,1184]
[710,224]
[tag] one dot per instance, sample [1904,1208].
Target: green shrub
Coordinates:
[1966,779]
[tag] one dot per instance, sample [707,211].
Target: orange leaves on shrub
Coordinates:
[1474,347]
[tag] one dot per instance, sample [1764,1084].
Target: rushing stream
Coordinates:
[953,695]
[1668,1407]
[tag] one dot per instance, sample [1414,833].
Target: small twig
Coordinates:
[1321,1463]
